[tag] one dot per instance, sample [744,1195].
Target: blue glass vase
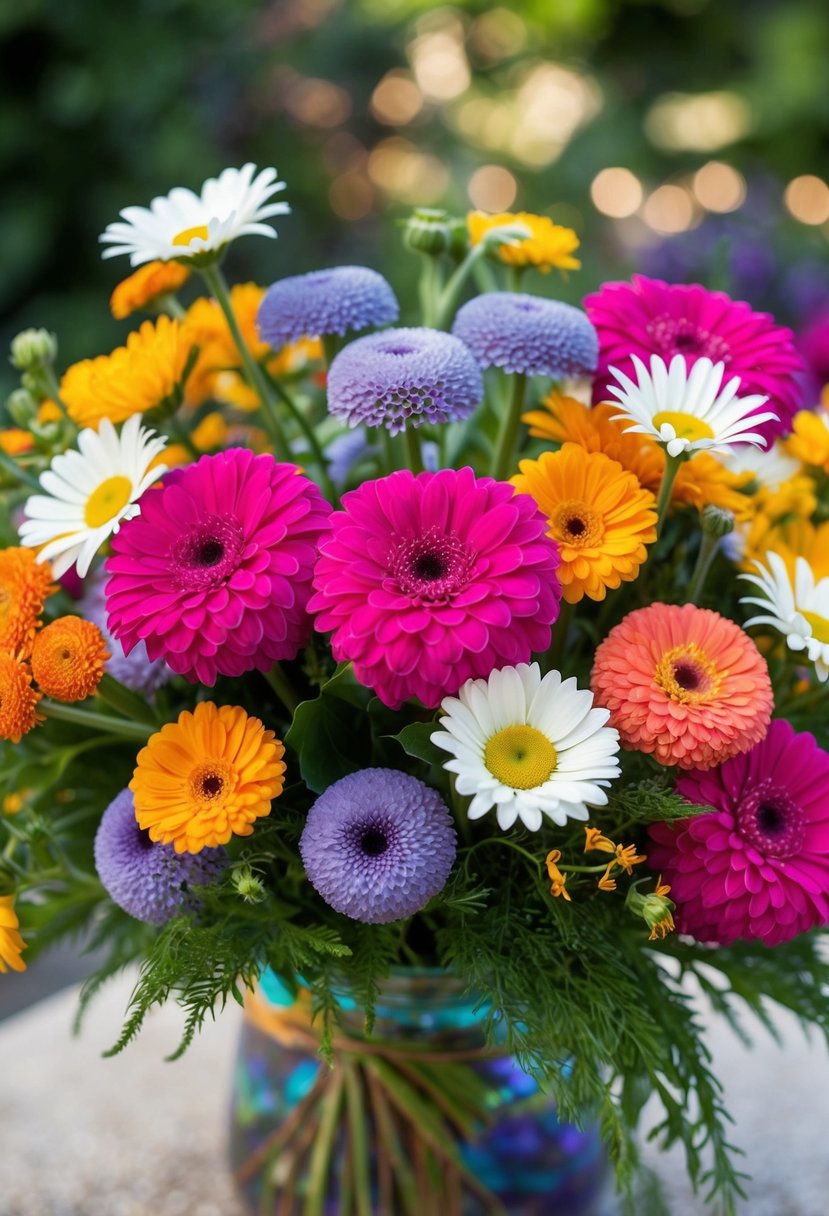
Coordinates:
[519,1159]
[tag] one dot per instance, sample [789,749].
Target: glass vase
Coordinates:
[421,1119]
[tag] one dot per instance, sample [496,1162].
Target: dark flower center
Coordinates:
[681,336]
[770,819]
[687,676]
[211,785]
[576,526]
[208,553]
[211,552]
[431,567]
[373,842]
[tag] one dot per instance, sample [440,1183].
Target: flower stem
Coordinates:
[324,1145]
[430,289]
[96,721]
[448,298]
[215,280]
[707,549]
[169,303]
[514,276]
[125,701]
[20,474]
[331,346]
[283,688]
[672,464]
[505,448]
[309,433]
[558,646]
[413,450]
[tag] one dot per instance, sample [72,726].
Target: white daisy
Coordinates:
[801,612]
[528,746]
[182,224]
[90,492]
[769,468]
[688,411]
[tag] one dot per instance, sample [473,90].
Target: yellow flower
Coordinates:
[15,802]
[134,379]
[142,289]
[25,585]
[598,513]
[791,536]
[68,659]
[18,700]
[549,245]
[627,857]
[12,944]
[14,441]
[211,433]
[809,440]
[596,842]
[49,411]
[557,879]
[206,777]
[607,882]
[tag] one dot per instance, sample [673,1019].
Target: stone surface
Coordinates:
[136,1136]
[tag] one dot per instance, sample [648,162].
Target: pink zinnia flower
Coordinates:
[215,573]
[758,868]
[433,580]
[648,317]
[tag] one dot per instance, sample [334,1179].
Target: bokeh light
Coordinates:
[719,187]
[700,122]
[616,192]
[807,198]
[492,188]
[670,209]
[396,100]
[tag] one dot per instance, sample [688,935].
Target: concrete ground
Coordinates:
[135,1136]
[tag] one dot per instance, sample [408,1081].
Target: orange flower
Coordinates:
[68,659]
[683,684]
[556,877]
[627,857]
[547,245]
[18,700]
[25,584]
[596,842]
[809,440]
[607,882]
[14,441]
[206,777]
[142,289]
[598,513]
[12,944]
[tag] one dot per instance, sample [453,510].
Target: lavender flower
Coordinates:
[149,881]
[528,334]
[135,670]
[325,302]
[404,376]
[345,452]
[378,845]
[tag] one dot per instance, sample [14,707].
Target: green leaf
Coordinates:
[329,741]
[416,741]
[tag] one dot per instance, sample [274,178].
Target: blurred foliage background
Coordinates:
[685,138]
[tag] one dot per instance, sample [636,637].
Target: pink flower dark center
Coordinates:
[687,676]
[768,818]
[679,336]
[431,567]
[208,553]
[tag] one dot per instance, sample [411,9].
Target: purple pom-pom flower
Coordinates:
[325,302]
[152,882]
[378,844]
[528,334]
[404,377]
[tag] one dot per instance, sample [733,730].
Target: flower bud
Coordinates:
[246,884]
[429,230]
[33,347]
[22,407]
[655,908]
[716,521]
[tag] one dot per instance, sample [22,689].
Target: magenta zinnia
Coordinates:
[214,575]
[648,317]
[429,581]
[757,869]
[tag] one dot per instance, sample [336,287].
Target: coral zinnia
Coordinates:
[432,580]
[758,868]
[215,573]
[68,659]
[12,944]
[146,286]
[143,375]
[18,700]
[24,586]
[648,317]
[598,514]
[547,245]
[683,684]
[207,777]
[378,845]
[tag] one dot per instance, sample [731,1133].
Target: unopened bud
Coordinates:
[33,347]
[428,230]
[246,884]
[22,407]
[717,521]
[655,908]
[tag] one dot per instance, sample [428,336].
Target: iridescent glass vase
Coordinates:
[420,1119]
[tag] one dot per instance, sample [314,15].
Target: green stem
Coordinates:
[672,465]
[309,433]
[430,289]
[558,647]
[215,280]
[507,439]
[53,386]
[324,1145]
[568,869]
[125,701]
[168,303]
[283,688]
[19,474]
[514,276]
[448,298]
[387,448]
[507,843]
[95,721]
[413,450]
[357,1118]
[332,344]
[707,550]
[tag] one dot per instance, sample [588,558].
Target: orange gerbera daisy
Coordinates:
[68,659]
[547,245]
[25,584]
[598,513]
[683,684]
[12,944]
[134,379]
[206,777]
[18,700]
[143,288]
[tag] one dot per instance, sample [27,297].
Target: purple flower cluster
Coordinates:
[527,334]
[325,302]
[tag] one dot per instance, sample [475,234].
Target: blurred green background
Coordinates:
[686,138]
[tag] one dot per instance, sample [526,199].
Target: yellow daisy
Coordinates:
[598,513]
[142,376]
[12,944]
[207,777]
[548,245]
[145,286]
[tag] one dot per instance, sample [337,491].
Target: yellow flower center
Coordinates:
[576,524]
[687,675]
[210,784]
[819,626]
[190,234]
[687,426]
[521,757]
[107,500]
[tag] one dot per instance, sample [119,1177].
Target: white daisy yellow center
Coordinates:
[191,234]
[819,626]
[521,757]
[686,426]
[104,503]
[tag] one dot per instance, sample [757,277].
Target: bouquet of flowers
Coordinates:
[333,649]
